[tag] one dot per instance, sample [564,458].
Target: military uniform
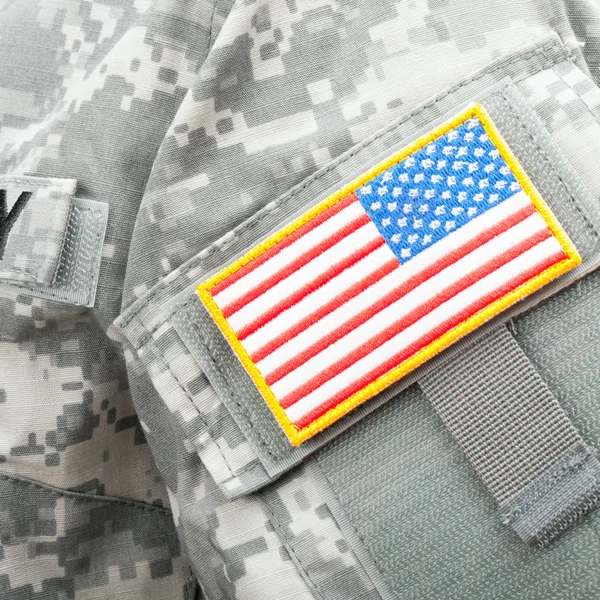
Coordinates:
[147,146]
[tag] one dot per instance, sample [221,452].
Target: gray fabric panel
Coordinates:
[76,275]
[560,497]
[501,413]
[33,245]
[431,526]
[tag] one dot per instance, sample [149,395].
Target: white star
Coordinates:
[439,210]
[430,149]
[440,165]
[403,177]
[452,135]
[494,153]
[413,193]
[396,238]
[427,238]
[409,162]
[417,223]
[396,192]
[489,167]
[457,210]
[472,122]
[458,165]
[451,180]
[468,181]
[472,210]
[382,191]
[504,170]
[423,208]
[434,224]
[387,176]
[413,238]
[427,163]
[448,150]
[401,222]
[386,222]
[483,183]
[435,179]
[462,196]
[479,152]
[500,185]
[478,197]
[446,195]
[407,207]
[484,137]
[469,136]
[514,186]
[493,198]
[450,225]
[419,177]
[473,167]
[392,206]
[429,194]
[375,205]
[405,252]
[366,189]
[462,151]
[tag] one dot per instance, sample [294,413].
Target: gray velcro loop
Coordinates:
[516,435]
[559,498]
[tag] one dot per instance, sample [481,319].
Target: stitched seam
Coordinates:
[544,155]
[85,497]
[210,27]
[361,536]
[267,210]
[166,364]
[287,541]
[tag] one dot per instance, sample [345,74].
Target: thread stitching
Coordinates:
[85,497]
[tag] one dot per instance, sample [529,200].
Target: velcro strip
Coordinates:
[517,436]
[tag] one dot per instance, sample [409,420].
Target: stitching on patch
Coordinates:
[287,541]
[165,512]
[250,224]
[544,155]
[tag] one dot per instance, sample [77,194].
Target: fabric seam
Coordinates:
[25,481]
[289,546]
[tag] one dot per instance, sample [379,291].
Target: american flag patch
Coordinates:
[383,275]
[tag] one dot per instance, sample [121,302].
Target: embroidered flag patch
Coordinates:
[383,275]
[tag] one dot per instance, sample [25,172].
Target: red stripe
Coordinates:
[411,318]
[284,243]
[330,306]
[266,284]
[425,340]
[309,288]
[393,296]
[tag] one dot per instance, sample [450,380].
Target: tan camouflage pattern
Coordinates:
[187,117]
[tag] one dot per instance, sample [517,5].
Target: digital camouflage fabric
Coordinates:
[122,471]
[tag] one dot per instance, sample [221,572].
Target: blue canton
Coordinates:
[438,189]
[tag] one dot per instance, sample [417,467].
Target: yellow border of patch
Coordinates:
[297,435]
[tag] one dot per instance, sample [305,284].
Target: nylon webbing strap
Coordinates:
[517,436]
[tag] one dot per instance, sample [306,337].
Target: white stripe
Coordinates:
[305,275]
[309,304]
[433,319]
[427,257]
[392,281]
[287,255]
[395,311]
